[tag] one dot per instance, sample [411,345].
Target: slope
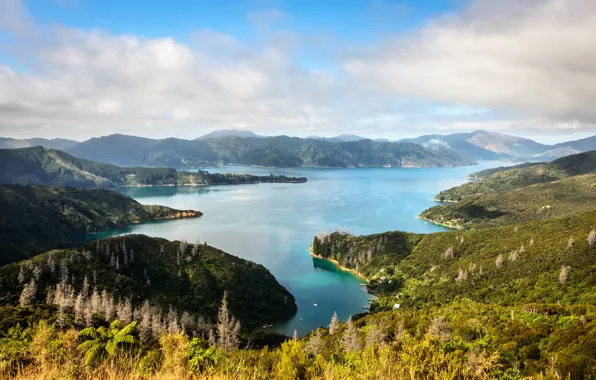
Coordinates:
[37,218]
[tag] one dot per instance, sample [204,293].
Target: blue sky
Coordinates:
[376,68]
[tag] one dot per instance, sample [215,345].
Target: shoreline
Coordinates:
[338,265]
[451,227]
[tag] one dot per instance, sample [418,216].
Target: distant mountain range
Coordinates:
[232,146]
[278,151]
[228,133]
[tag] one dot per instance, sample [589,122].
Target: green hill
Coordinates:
[186,277]
[38,218]
[278,151]
[438,268]
[561,198]
[53,167]
[502,179]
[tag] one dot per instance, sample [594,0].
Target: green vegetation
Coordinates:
[566,197]
[52,167]
[505,266]
[37,218]
[517,177]
[279,151]
[136,272]
[464,340]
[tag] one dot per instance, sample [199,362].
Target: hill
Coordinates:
[504,179]
[278,151]
[482,145]
[7,143]
[137,268]
[53,167]
[37,218]
[565,197]
[506,265]
[227,133]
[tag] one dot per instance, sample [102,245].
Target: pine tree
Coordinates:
[79,310]
[21,277]
[227,327]
[124,311]
[592,237]
[211,339]
[314,345]
[462,275]
[570,242]
[375,335]
[172,320]
[499,261]
[157,326]
[186,322]
[448,253]
[334,325]
[28,294]
[351,337]
[85,290]
[564,274]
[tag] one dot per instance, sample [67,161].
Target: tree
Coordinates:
[571,242]
[563,275]
[351,337]
[499,261]
[334,325]
[448,253]
[227,327]
[375,335]
[21,277]
[592,237]
[28,294]
[103,342]
[314,345]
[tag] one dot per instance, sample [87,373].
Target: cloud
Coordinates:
[533,57]
[521,67]
[435,144]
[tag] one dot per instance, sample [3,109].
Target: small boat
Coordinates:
[267,326]
[316,305]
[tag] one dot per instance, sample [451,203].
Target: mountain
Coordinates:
[583,145]
[168,275]
[227,133]
[42,166]
[7,143]
[504,179]
[37,218]
[561,198]
[278,151]
[482,145]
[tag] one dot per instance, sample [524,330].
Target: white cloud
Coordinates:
[531,61]
[532,56]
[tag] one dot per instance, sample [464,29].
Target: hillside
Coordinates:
[504,179]
[7,143]
[561,198]
[53,167]
[186,277]
[38,218]
[507,265]
[279,151]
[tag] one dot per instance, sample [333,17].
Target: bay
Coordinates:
[274,224]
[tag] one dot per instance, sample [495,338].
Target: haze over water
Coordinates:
[274,224]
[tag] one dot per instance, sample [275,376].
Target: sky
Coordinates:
[377,68]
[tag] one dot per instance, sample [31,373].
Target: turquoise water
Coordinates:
[273,224]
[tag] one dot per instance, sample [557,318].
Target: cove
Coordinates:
[273,224]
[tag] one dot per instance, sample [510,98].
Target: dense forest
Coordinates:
[279,151]
[42,166]
[35,218]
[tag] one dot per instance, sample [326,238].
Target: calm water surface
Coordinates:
[273,224]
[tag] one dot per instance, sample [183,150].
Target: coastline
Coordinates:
[451,227]
[338,265]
